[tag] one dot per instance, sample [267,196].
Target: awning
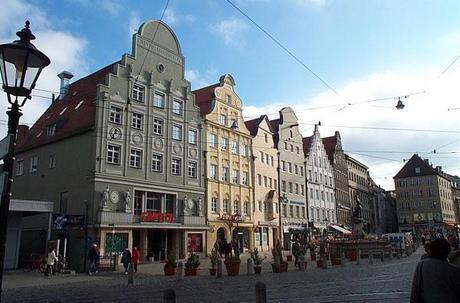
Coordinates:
[341,229]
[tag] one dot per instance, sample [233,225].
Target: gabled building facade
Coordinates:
[265,180]
[288,141]
[377,208]
[358,188]
[424,198]
[320,183]
[336,156]
[122,147]
[229,188]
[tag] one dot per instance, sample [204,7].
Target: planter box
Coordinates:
[191,271]
[233,267]
[212,271]
[258,269]
[169,271]
[283,267]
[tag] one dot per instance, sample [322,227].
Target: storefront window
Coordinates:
[170,202]
[138,203]
[118,245]
[153,202]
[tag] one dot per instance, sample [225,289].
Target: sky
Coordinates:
[343,56]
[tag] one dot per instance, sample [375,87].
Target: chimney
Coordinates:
[65,77]
[22,132]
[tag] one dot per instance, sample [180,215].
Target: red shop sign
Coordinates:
[150,216]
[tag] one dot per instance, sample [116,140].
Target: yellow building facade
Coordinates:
[229,188]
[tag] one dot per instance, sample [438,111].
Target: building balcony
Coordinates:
[111,217]
[192,220]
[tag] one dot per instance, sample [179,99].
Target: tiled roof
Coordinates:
[307,144]
[205,98]
[253,125]
[74,114]
[329,145]
[408,170]
[275,125]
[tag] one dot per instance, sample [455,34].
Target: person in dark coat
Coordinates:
[93,258]
[126,259]
[435,280]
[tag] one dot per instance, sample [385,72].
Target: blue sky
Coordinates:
[364,49]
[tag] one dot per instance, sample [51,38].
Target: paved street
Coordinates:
[380,282]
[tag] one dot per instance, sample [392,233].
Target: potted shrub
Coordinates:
[300,256]
[257,261]
[170,266]
[214,257]
[232,264]
[278,264]
[192,264]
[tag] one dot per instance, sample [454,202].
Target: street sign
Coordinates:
[5,145]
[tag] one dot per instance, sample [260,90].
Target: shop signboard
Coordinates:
[150,216]
[66,222]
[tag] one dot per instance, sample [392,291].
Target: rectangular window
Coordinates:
[176,167]
[276,184]
[213,140]
[246,208]
[192,136]
[136,121]
[138,201]
[159,100]
[284,210]
[270,182]
[214,204]
[265,181]
[234,147]
[157,162]
[301,170]
[138,93]
[223,120]
[296,189]
[297,211]
[225,174]
[52,163]
[157,126]
[302,189]
[19,167]
[135,158]
[223,143]
[235,176]
[261,157]
[245,178]
[290,167]
[236,207]
[271,160]
[259,180]
[259,205]
[303,212]
[113,154]
[177,132]
[285,145]
[192,169]
[51,130]
[177,107]
[283,165]
[243,150]
[228,99]
[290,187]
[283,186]
[291,211]
[213,171]
[116,114]
[226,206]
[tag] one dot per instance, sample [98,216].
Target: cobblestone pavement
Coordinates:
[387,281]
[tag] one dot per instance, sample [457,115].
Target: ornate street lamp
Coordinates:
[20,65]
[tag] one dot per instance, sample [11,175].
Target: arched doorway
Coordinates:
[221,234]
[241,238]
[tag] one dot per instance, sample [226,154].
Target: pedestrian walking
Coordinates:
[93,257]
[135,258]
[126,259]
[295,251]
[50,260]
[435,280]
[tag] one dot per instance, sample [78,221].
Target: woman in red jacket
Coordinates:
[135,258]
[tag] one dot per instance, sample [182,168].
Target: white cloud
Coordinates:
[66,52]
[199,80]
[426,111]
[171,17]
[230,30]
[112,7]
[134,23]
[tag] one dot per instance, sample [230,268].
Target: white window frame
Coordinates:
[176,166]
[178,107]
[223,143]
[214,204]
[234,147]
[137,120]
[135,158]
[213,171]
[157,126]
[138,92]
[192,169]
[235,176]
[116,114]
[213,140]
[159,97]
[19,167]
[223,119]
[225,174]
[192,136]
[157,162]
[51,130]
[115,151]
[176,130]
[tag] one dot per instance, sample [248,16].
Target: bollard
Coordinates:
[383,256]
[169,296]
[261,293]
[371,257]
[358,257]
[250,266]
[130,274]
[180,271]
[219,268]
[391,254]
[324,258]
[342,259]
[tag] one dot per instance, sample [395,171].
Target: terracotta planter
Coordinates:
[283,267]
[212,271]
[233,267]
[319,263]
[289,258]
[313,257]
[352,255]
[336,261]
[191,271]
[258,269]
[169,271]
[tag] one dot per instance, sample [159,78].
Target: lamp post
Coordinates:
[21,64]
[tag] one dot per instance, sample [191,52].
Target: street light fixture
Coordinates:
[20,65]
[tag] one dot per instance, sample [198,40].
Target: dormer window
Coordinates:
[51,130]
[228,99]
[417,170]
[223,120]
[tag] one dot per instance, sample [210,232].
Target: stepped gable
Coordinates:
[74,114]
[329,145]
[408,170]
